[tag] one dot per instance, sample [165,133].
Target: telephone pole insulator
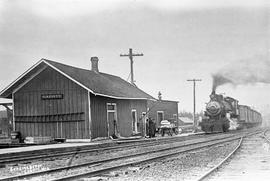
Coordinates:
[195,124]
[131,55]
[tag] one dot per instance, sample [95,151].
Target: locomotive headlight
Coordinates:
[213,108]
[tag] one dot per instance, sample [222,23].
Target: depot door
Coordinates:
[160,116]
[111,118]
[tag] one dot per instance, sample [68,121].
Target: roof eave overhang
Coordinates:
[128,98]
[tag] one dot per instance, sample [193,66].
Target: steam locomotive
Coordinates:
[224,113]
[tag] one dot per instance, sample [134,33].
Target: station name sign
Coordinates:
[52,96]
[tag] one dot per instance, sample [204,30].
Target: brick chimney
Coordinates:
[94,62]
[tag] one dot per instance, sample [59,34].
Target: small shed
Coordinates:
[163,110]
[183,121]
[62,101]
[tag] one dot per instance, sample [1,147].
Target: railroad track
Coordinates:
[28,156]
[213,169]
[98,167]
[84,149]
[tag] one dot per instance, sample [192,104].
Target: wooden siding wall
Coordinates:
[67,117]
[99,116]
[125,116]
[168,107]
[124,119]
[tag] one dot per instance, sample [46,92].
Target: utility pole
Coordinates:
[194,100]
[131,55]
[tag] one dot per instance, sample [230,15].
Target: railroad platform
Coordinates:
[73,145]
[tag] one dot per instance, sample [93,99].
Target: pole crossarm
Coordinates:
[194,80]
[131,55]
[134,55]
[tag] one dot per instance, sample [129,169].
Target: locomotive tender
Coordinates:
[224,114]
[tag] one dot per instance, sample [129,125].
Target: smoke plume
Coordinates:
[247,71]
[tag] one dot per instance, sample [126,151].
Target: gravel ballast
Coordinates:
[186,166]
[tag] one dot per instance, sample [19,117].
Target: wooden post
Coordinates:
[89,114]
[13,116]
[194,101]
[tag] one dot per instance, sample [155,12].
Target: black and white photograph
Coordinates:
[134,90]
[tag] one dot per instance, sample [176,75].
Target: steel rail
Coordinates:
[97,172]
[83,149]
[100,171]
[143,143]
[117,158]
[196,145]
[205,175]
[220,163]
[231,137]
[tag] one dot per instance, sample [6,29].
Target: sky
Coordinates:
[180,40]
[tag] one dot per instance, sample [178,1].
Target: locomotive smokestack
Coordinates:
[213,95]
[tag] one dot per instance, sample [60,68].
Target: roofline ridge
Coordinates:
[78,67]
[95,93]
[46,61]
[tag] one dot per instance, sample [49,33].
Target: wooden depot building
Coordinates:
[61,101]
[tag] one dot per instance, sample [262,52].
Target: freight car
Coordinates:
[248,117]
[224,113]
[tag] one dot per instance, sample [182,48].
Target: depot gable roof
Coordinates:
[97,83]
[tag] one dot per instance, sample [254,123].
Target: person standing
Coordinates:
[147,127]
[115,130]
[152,128]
